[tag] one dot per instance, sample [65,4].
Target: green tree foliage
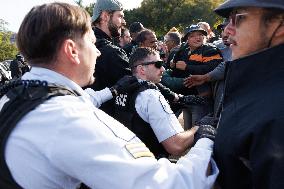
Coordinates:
[161,15]
[89,8]
[7,49]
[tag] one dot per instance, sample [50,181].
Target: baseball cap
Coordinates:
[194,28]
[105,5]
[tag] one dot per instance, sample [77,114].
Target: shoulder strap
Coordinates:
[24,96]
[144,86]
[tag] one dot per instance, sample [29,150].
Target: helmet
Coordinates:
[225,8]
[105,5]
[19,57]
[194,28]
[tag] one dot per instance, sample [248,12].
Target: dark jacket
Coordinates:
[203,60]
[130,47]
[199,61]
[110,67]
[249,146]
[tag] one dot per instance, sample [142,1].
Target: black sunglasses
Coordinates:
[158,64]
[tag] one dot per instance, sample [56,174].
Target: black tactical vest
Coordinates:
[126,113]
[24,96]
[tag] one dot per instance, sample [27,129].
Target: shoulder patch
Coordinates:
[138,150]
[165,105]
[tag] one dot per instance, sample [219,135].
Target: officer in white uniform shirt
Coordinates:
[66,140]
[152,119]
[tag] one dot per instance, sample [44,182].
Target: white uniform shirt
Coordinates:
[152,107]
[67,140]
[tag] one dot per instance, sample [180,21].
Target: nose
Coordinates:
[123,22]
[230,29]
[162,69]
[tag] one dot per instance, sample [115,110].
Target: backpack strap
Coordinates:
[144,86]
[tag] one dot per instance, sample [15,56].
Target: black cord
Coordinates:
[270,41]
[15,83]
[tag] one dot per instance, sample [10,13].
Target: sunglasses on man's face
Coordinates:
[236,18]
[157,64]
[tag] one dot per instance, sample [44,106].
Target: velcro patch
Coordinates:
[138,150]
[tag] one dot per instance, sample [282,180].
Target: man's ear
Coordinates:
[104,16]
[71,51]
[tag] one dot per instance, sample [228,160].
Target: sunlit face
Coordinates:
[225,36]
[125,39]
[115,23]
[153,73]
[169,42]
[88,54]
[151,41]
[248,35]
[195,40]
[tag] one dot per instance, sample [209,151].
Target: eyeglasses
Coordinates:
[236,18]
[157,64]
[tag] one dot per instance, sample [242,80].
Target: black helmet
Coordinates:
[225,8]
[194,28]
[19,57]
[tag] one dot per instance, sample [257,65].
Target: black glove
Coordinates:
[125,85]
[191,100]
[208,120]
[204,131]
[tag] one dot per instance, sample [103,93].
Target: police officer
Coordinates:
[147,113]
[249,146]
[66,140]
[108,19]
[18,66]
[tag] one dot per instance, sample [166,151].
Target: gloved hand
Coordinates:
[191,100]
[208,120]
[204,131]
[125,85]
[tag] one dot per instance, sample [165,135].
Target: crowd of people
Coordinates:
[98,104]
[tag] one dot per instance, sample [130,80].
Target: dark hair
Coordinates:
[272,13]
[175,37]
[136,27]
[45,27]
[141,37]
[139,55]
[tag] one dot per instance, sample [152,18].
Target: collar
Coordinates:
[100,34]
[269,59]
[254,69]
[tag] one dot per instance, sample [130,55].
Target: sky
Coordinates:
[14,11]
